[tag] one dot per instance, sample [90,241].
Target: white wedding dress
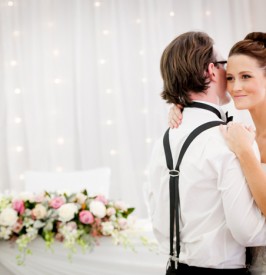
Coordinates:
[259,254]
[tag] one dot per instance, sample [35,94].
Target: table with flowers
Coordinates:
[53,234]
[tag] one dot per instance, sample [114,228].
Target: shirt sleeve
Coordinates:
[243,218]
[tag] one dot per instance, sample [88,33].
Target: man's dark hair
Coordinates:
[184,65]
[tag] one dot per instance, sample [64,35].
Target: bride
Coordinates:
[246,83]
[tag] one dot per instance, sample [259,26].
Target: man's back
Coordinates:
[214,198]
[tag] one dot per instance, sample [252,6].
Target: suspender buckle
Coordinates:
[174,258]
[174,173]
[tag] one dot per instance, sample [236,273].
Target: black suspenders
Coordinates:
[174,187]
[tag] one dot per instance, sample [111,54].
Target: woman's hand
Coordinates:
[175,116]
[238,137]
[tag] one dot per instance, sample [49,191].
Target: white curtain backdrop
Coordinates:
[80,81]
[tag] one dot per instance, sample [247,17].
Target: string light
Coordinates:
[55,52]
[113,152]
[144,79]
[50,24]
[59,169]
[146,172]
[141,52]
[208,13]
[108,91]
[13,63]
[16,33]
[138,21]
[57,80]
[144,111]
[19,149]
[148,140]
[172,13]
[97,4]
[17,120]
[109,122]
[17,91]
[60,141]
[102,61]
[106,32]
[10,3]
[21,177]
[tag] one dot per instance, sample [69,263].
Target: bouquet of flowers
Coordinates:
[73,219]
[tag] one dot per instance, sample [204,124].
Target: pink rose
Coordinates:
[102,199]
[57,202]
[86,217]
[17,226]
[19,206]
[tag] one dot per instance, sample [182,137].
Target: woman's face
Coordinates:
[246,82]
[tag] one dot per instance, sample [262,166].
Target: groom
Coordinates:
[218,217]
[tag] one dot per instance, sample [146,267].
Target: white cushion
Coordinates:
[96,181]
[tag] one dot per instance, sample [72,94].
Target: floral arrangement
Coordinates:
[73,219]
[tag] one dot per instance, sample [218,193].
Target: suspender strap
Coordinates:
[174,185]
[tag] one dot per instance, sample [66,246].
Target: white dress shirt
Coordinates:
[219,217]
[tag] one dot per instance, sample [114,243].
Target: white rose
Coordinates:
[39,211]
[26,196]
[8,217]
[122,222]
[67,212]
[110,211]
[121,205]
[107,228]
[81,198]
[98,209]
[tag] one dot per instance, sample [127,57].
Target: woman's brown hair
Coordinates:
[254,46]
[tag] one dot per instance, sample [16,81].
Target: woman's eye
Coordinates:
[229,78]
[246,76]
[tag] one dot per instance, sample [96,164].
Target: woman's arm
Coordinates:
[175,116]
[240,140]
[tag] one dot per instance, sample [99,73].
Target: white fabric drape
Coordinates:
[80,81]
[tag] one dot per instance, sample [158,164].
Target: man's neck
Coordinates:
[205,97]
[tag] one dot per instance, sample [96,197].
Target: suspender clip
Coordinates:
[174,173]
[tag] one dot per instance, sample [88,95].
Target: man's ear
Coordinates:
[212,72]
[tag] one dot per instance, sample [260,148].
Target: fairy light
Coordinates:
[172,13]
[21,177]
[19,149]
[60,140]
[208,13]
[17,91]
[17,120]
[108,91]
[141,52]
[57,80]
[148,140]
[102,61]
[113,152]
[13,63]
[144,111]
[10,3]
[138,20]
[106,32]
[16,33]
[55,52]
[146,172]
[97,4]
[50,24]
[59,169]
[144,80]
[109,122]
